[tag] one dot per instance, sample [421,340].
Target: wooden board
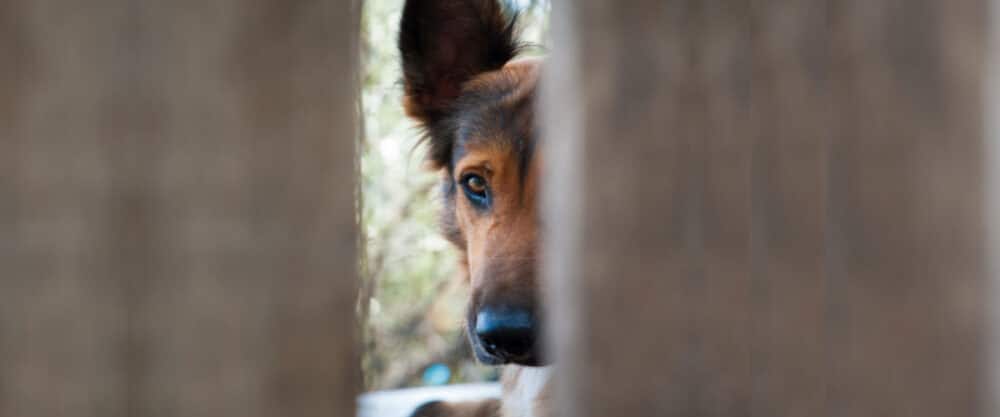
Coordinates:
[766,208]
[177,228]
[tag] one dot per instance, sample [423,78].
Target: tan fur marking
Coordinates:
[508,235]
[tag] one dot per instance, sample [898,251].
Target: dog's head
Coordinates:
[476,104]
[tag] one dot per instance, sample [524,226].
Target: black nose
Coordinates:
[507,333]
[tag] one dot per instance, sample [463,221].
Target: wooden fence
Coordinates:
[752,208]
[177,233]
[768,208]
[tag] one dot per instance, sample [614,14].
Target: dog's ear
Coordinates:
[443,44]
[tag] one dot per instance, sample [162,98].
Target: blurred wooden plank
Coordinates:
[63,315]
[624,256]
[721,191]
[766,208]
[182,215]
[906,208]
[992,181]
[790,102]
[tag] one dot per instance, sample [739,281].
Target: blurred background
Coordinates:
[412,301]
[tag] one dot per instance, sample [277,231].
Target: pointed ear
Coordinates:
[443,44]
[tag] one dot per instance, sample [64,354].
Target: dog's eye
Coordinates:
[476,189]
[475,183]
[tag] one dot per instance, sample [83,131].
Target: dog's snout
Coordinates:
[508,333]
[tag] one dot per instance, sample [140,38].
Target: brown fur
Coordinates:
[476,105]
[500,249]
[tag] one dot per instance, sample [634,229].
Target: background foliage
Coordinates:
[411,305]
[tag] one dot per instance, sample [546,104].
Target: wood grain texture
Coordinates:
[177,211]
[766,208]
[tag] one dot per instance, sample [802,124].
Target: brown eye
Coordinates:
[476,184]
[476,190]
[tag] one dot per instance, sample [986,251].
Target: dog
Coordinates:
[475,101]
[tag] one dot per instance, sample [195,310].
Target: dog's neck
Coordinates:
[526,391]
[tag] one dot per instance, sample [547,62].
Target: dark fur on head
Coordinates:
[444,44]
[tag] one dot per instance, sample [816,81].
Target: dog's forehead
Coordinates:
[496,111]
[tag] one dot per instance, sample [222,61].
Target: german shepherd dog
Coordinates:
[475,103]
